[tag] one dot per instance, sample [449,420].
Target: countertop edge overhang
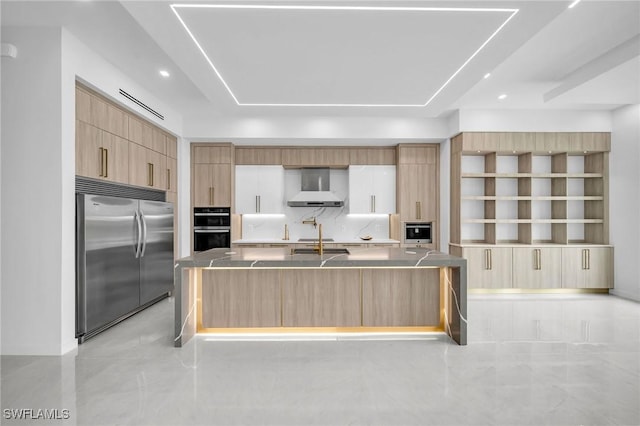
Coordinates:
[385,257]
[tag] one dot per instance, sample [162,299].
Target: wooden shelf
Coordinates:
[532,175]
[533,221]
[533,198]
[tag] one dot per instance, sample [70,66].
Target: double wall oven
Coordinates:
[211,228]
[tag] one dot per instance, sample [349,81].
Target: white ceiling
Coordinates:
[357,61]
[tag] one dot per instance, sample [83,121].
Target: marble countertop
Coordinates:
[363,257]
[296,241]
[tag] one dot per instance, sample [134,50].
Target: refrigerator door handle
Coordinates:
[139,231]
[144,234]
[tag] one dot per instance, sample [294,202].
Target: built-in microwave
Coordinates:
[417,233]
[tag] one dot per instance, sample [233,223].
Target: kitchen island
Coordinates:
[378,289]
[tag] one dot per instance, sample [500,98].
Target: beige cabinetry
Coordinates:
[489,267]
[321,298]
[537,267]
[211,175]
[147,168]
[258,155]
[212,185]
[587,267]
[400,297]
[115,145]
[546,194]
[241,298]
[327,156]
[418,186]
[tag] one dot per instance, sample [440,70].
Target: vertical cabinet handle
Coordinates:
[487,259]
[374,203]
[106,162]
[101,151]
[418,209]
[537,262]
[588,258]
[168,178]
[211,195]
[150,174]
[585,258]
[257,204]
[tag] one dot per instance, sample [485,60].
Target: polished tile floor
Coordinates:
[531,360]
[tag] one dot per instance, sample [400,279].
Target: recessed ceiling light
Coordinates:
[176,7]
[503,96]
[571,6]
[487,75]
[164,73]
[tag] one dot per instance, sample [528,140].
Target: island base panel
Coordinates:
[240,298]
[401,297]
[321,298]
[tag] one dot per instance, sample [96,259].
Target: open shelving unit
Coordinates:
[529,190]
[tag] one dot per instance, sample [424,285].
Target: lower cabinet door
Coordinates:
[488,267]
[241,298]
[537,267]
[587,267]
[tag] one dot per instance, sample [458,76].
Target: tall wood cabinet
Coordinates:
[418,184]
[541,196]
[211,175]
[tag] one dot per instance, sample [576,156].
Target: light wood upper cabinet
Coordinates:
[172,146]
[326,156]
[147,168]
[418,192]
[372,156]
[587,267]
[89,157]
[418,183]
[116,157]
[537,267]
[172,174]
[212,185]
[258,155]
[489,267]
[211,154]
[100,154]
[83,105]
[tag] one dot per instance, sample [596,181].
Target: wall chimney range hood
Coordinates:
[315,190]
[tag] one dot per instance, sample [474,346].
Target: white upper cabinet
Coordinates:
[259,189]
[372,189]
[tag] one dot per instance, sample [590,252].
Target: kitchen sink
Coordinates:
[325,251]
[311,240]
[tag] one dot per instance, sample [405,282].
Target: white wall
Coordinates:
[32,162]
[624,203]
[37,163]
[517,120]
[326,130]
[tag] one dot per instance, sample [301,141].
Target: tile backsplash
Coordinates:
[336,222]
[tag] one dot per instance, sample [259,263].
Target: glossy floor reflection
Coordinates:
[531,360]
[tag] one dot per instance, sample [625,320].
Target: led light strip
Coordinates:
[175,7]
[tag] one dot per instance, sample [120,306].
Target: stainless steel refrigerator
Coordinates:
[124,259]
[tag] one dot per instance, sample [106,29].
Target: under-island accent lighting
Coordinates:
[176,6]
[502,97]
[573,4]
[164,73]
